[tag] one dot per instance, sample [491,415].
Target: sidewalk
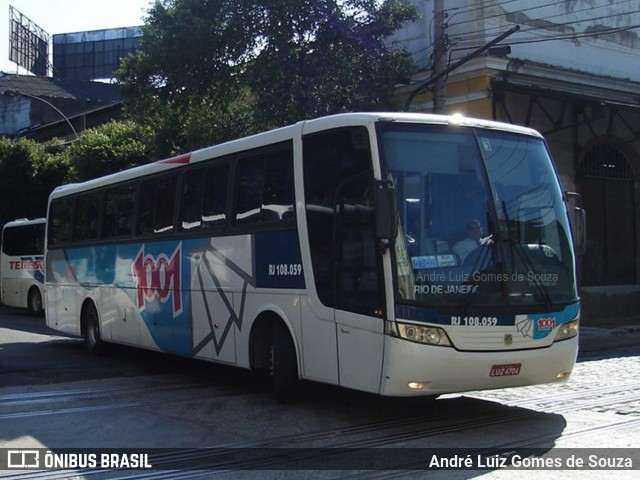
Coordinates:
[610,306]
[597,342]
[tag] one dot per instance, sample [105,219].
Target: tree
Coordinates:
[327,57]
[185,81]
[212,70]
[29,171]
[20,196]
[109,148]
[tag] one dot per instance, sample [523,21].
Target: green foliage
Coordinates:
[29,171]
[213,70]
[110,148]
[328,57]
[21,195]
[185,82]
[204,124]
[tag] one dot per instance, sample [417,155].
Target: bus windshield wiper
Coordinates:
[517,250]
[480,261]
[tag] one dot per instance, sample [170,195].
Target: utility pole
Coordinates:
[421,87]
[439,57]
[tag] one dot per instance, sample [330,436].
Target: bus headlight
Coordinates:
[567,330]
[422,334]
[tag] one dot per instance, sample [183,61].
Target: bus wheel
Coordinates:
[91,330]
[35,301]
[284,366]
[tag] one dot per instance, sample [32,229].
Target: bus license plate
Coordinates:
[505,370]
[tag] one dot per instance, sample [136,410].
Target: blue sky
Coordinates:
[66,16]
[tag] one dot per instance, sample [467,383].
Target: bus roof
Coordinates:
[19,222]
[283,134]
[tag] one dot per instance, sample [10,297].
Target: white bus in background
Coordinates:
[326,251]
[22,264]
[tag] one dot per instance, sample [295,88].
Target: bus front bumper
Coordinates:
[414,369]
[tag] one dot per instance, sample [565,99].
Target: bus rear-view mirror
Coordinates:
[386,216]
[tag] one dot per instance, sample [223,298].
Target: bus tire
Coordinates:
[284,366]
[34,301]
[91,330]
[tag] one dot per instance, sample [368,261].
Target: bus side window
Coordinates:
[23,240]
[191,201]
[87,216]
[337,179]
[165,205]
[60,223]
[277,198]
[204,198]
[265,188]
[118,212]
[156,205]
[216,192]
[249,194]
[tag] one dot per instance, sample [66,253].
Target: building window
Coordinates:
[606,161]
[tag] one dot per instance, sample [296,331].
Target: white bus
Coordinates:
[22,264]
[327,251]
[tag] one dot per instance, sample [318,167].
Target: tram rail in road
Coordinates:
[145,400]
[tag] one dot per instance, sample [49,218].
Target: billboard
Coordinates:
[28,44]
[93,55]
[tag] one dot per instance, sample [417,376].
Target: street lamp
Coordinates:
[15,93]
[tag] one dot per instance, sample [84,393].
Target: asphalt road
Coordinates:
[182,412]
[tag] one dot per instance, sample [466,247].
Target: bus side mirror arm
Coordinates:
[385,212]
[579,223]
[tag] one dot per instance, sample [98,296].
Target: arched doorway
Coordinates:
[607,182]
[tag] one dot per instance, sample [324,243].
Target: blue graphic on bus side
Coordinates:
[278,260]
[32,264]
[164,280]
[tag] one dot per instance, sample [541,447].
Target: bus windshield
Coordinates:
[483,221]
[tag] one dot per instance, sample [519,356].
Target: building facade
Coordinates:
[44,107]
[571,71]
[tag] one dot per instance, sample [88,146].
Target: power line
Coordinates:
[556,37]
[480,34]
[469,40]
[439,74]
[459,63]
[577,35]
[478,6]
[540,7]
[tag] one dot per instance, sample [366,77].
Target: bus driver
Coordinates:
[473,240]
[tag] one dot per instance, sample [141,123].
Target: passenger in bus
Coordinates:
[473,240]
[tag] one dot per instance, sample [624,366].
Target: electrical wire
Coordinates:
[471,39]
[540,7]
[479,35]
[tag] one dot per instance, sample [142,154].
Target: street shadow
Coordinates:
[359,435]
[66,360]
[372,433]
[21,320]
